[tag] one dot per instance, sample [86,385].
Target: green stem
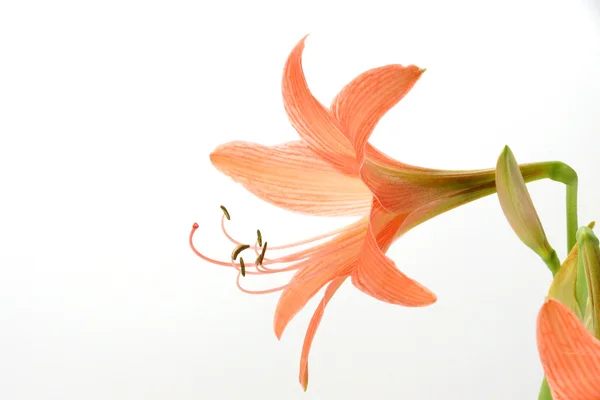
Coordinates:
[553,262]
[561,172]
[545,391]
[572,224]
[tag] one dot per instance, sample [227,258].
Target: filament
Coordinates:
[330,254]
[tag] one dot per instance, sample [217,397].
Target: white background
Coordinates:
[108,112]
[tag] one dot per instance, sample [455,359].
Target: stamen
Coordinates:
[294,244]
[226,213]
[317,271]
[231,263]
[353,233]
[310,240]
[303,256]
[298,260]
[232,240]
[259,237]
[238,249]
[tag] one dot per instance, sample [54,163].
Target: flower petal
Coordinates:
[312,328]
[399,187]
[365,100]
[337,258]
[376,274]
[291,176]
[570,355]
[518,207]
[312,120]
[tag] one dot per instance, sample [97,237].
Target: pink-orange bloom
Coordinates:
[333,170]
[570,354]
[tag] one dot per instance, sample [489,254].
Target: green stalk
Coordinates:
[553,263]
[572,224]
[561,172]
[545,391]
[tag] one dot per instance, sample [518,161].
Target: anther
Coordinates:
[242,267]
[259,259]
[259,237]
[226,213]
[238,249]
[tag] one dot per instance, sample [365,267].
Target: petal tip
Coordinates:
[304,378]
[433,298]
[222,153]
[550,305]
[300,45]
[429,298]
[278,328]
[213,157]
[506,155]
[279,324]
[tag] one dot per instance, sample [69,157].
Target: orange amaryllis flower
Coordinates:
[569,353]
[333,170]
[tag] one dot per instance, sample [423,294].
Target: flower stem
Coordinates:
[572,224]
[561,172]
[553,262]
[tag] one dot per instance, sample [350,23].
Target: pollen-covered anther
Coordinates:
[226,213]
[238,249]
[259,237]
[259,259]
[242,267]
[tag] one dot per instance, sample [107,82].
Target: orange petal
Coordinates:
[399,187]
[291,176]
[377,157]
[570,355]
[336,259]
[312,120]
[376,274]
[365,100]
[312,328]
